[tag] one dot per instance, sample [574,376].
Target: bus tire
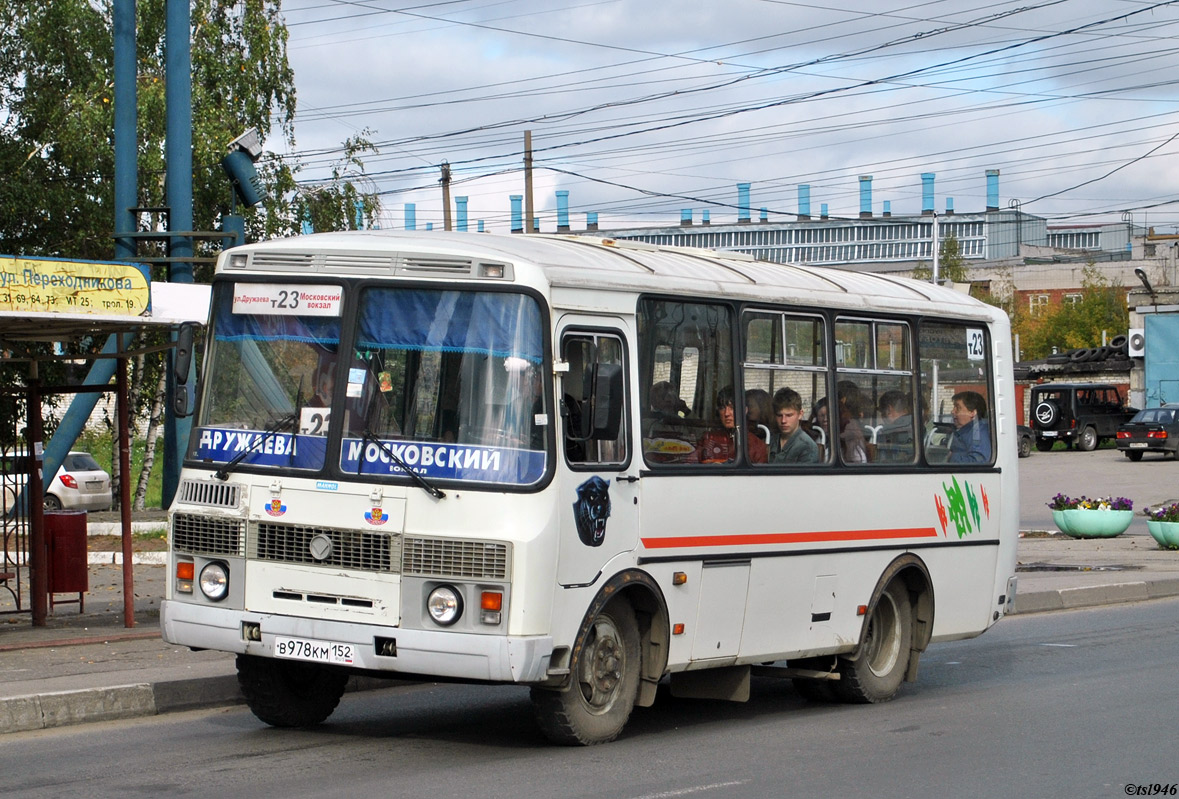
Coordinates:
[286,693]
[876,675]
[604,683]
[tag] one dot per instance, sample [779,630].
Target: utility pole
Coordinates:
[445,196]
[529,224]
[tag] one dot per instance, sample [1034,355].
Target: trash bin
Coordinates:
[65,533]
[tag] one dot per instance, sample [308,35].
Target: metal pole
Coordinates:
[935,250]
[125,493]
[126,99]
[446,225]
[35,496]
[178,163]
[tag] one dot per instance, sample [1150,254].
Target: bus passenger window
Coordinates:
[955,394]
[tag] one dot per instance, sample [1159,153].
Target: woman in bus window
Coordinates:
[971,442]
[720,446]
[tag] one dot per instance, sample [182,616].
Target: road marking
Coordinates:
[1066,646]
[686,791]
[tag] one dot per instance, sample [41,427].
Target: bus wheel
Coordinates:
[877,674]
[286,693]
[603,687]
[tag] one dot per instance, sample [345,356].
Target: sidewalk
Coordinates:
[86,667]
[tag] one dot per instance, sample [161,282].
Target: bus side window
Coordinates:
[584,393]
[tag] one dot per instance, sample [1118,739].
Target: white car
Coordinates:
[80,483]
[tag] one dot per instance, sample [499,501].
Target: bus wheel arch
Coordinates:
[897,628]
[615,664]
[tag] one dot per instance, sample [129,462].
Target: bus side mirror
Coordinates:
[606,415]
[183,396]
[183,361]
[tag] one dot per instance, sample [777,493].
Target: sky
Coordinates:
[643,108]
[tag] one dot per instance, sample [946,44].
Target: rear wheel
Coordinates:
[876,675]
[604,683]
[52,502]
[1025,446]
[1087,441]
[1044,444]
[286,693]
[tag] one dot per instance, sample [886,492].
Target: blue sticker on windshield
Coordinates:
[443,461]
[259,448]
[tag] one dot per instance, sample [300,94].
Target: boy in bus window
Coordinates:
[720,446]
[971,442]
[790,444]
[895,439]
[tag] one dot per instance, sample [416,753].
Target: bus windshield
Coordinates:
[447,383]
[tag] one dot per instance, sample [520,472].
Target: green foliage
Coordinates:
[1069,326]
[951,265]
[101,446]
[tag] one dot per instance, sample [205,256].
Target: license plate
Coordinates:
[94,484]
[314,651]
[1048,433]
[1138,445]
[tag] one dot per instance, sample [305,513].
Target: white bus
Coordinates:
[586,466]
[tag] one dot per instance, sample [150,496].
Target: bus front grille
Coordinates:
[439,557]
[210,535]
[349,549]
[213,493]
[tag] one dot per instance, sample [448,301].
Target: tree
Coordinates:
[951,265]
[1100,308]
[56,134]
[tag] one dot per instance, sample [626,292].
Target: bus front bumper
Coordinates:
[493,658]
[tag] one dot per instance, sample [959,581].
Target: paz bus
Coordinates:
[557,461]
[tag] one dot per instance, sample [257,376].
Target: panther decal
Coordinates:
[591,510]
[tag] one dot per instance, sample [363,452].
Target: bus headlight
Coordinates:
[214,581]
[445,605]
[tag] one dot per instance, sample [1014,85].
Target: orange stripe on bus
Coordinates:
[755,539]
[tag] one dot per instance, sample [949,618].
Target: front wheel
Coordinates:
[604,684]
[876,675]
[1025,446]
[1087,442]
[286,693]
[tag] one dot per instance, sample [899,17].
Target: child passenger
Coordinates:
[791,444]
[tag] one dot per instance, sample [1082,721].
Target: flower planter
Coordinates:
[1166,533]
[1085,523]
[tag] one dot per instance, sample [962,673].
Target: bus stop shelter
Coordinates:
[43,301]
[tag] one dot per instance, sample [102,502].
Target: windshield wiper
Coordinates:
[290,420]
[423,483]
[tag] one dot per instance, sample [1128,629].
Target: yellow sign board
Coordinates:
[49,284]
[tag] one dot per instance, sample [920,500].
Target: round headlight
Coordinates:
[445,605]
[215,581]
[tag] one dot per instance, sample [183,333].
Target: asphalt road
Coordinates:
[1073,704]
[1101,473]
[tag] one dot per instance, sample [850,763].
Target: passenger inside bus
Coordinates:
[791,444]
[720,446]
[971,442]
[759,414]
[851,427]
[895,438]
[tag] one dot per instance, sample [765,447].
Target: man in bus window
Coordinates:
[720,446]
[971,442]
[790,444]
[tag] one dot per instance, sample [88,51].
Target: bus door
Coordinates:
[597,507]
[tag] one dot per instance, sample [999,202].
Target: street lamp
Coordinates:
[1140,273]
[239,166]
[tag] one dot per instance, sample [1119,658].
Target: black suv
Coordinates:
[1080,413]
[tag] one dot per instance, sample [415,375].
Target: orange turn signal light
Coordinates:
[491,600]
[677,629]
[185,570]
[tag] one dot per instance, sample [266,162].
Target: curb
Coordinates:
[66,708]
[116,528]
[1093,595]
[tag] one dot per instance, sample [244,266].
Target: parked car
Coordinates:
[1077,413]
[1151,430]
[80,483]
[1026,440]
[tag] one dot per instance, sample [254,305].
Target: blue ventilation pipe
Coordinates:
[742,202]
[591,220]
[927,193]
[705,217]
[460,214]
[685,217]
[992,190]
[411,216]
[865,196]
[517,213]
[804,201]
[562,211]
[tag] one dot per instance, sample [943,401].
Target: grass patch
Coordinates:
[101,446]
